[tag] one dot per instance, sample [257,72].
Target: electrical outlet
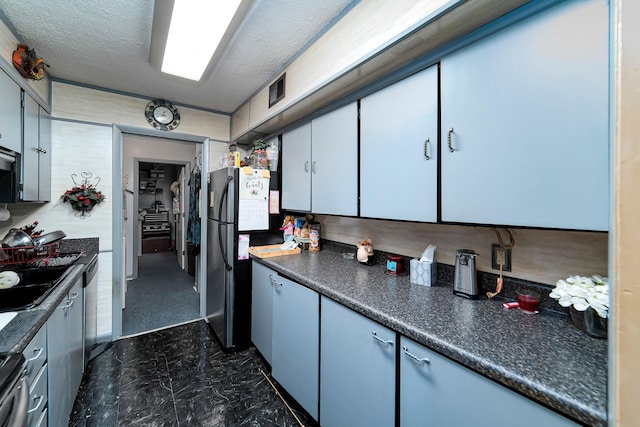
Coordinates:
[497,254]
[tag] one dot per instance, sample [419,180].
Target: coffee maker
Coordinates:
[464,282]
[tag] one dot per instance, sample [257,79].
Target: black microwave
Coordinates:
[9,175]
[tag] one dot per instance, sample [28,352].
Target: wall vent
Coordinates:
[276,91]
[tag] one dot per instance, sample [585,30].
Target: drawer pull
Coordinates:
[39,399]
[74,295]
[405,350]
[69,304]
[38,352]
[376,337]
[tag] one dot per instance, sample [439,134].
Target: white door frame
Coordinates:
[119,277]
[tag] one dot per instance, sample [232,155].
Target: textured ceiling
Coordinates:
[106,44]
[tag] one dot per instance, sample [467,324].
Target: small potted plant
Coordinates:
[259,158]
[588,302]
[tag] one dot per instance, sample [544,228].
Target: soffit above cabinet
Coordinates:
[399,58]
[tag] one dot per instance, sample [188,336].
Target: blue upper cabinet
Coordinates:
[10,136]
[399,144]
[296,169]
[334,163]
[525,112]
[320,164]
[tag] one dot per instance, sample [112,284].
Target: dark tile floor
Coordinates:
[177,377]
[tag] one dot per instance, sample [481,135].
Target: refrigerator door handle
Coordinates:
[220,223]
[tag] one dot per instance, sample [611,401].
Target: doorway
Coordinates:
[159,290]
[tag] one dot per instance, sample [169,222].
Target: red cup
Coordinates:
[528,300]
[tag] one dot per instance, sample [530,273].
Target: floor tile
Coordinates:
[177,377]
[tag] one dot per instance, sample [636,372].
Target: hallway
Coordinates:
[161,296]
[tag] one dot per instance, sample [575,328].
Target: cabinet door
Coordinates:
[435,391]
[296,169]
[10,135]
[296,340]
[44,156]
[357,369]
[334,162]
[399,150]
[30,147]
[261,308]
[76,339]
[528,108]
[58,340]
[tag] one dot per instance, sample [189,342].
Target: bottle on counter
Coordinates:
[314,236]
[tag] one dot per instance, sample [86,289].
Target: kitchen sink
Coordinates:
[35,285]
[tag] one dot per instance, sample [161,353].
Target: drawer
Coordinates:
[36,354]
[37,397]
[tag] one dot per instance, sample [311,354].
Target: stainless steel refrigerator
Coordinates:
[237,211]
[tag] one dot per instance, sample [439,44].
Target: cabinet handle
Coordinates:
[274,283]
[38,352]
[313,167]
[39,399]
[405,350]
[426,153]
[74,295]
[69,304]
[306,166]
[376,337]
[41,150]
[449,140]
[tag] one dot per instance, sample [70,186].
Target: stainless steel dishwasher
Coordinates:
[90,306]
[14,390]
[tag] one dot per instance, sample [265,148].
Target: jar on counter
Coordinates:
[395,264]
[314,237]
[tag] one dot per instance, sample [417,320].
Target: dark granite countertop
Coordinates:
[543,356]
[22,328]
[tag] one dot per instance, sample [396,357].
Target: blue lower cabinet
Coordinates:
[435,391]
[262,308]
[357,369]
[295,341]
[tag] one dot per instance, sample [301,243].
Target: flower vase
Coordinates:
[589,322]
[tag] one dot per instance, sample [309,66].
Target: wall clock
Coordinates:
[162,115]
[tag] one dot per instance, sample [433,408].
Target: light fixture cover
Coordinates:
[195,31]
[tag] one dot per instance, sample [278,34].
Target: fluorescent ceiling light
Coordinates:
[196,28]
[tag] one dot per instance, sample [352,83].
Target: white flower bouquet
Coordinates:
[582,293]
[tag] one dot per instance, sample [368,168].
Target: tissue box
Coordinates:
[423,273]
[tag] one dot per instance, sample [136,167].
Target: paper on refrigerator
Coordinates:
[253,207]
